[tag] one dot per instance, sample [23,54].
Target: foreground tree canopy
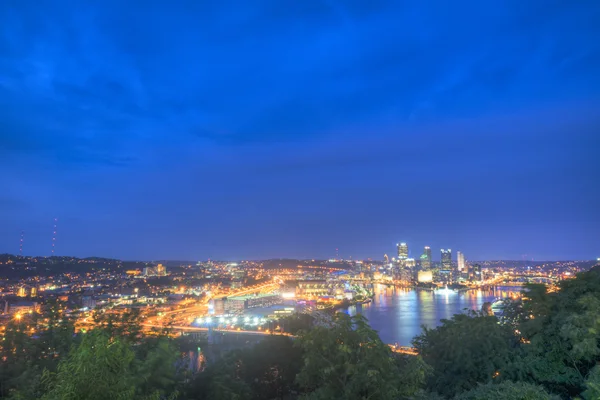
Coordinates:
[546,347]
[464,352]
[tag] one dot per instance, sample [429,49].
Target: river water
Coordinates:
[398,314]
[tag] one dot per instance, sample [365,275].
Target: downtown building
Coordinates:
[406,266]
[425,274]
[445,272]
[461,267]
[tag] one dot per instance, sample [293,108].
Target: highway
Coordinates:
[189,314]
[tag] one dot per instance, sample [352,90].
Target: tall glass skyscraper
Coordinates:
[426,259]
[402,251]
[447,259]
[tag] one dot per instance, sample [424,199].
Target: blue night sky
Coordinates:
[259,129]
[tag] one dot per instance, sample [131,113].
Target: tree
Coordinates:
[155,367]
[101,367]
[348,360]
[221,381]
[265,371]
[561,334]
[507,390]
[17,355]
[464,351]
[296,323]
[592,385]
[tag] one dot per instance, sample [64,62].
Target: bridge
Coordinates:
[394,347]
[411,351]
[521,279]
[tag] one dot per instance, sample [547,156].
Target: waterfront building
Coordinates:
[460,260]
[216,306]
[234,305]
[238,304]
[425,276]
[316,287]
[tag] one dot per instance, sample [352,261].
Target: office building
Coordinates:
[475,274]
[159,270]
[426,259]
[424,276]
[217,306]
[88,301]
[402,251]
[446,260]
[21,307]
[460,259]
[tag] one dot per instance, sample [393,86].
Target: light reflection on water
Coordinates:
[397,313]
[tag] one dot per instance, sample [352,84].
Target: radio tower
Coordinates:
[21,243]
[54,236]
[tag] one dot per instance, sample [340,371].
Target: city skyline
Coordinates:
[402,250]
[201,130]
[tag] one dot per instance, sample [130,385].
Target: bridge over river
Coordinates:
[215,334]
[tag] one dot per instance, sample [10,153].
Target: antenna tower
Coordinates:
[21,243]
[54,236]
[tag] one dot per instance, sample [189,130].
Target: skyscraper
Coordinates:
[402,251]
[426,259]
[460,259]
[447,259]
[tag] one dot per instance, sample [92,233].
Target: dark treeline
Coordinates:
[547,346]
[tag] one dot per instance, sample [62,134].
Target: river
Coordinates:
[398,314]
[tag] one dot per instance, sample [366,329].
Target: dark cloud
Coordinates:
[254,110]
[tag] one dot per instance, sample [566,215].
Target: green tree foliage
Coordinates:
[155,370]
[265,371]
[464,351]
[98,368]
[101,367]
[506,390]
[561,331]
[17,353]
[295,323]
[349,361]
[592,385]
[30,345]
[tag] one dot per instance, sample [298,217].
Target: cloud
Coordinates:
[270,73]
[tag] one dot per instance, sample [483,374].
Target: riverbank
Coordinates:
[398,314]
